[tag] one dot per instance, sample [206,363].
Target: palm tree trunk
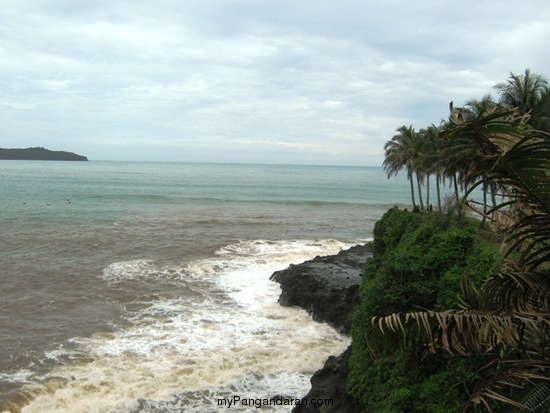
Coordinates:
[455,182]
[437,179]
[484,200]
[493,189]
[428,191]
[419,192]
[412,191]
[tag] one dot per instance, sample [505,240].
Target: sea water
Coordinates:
[144,287]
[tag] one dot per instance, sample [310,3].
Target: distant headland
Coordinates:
[39,154]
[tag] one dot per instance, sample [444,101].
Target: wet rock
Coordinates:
[326,287]
[328,389]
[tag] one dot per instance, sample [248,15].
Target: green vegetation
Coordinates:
[419,263]
[445,324]
[425,153]
[39,154]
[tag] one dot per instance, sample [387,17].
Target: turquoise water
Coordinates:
[145,286]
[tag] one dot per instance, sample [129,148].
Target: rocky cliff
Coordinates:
[328,288]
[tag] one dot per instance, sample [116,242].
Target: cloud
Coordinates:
[249,81]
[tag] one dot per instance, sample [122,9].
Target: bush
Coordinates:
[390,228]
[419,262]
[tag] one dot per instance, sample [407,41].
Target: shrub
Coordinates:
[419,262]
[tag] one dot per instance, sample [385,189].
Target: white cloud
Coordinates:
[242,80]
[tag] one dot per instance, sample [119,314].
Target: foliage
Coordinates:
[402,151]
[424,153]
[529,93]
[389,230]
[504,316]
[419,258]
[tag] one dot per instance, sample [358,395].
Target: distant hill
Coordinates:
[39,154]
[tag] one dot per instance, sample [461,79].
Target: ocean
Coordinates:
[144,287]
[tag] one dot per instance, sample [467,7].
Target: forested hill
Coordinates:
[39,154]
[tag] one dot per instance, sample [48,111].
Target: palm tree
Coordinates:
[529,93]
[485,134]
[400,152]
[431,160]
[541,113]
[508,319]
[474,107]
[456,158]
[472,111]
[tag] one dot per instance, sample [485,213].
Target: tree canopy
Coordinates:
[503,318]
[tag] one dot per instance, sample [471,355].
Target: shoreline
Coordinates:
[328,289]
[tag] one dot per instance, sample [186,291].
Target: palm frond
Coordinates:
[516,344]
[507,320]
[511,383]
[536,398]
[517,291]
[460,333]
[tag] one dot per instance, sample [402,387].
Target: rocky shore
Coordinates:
[328,288]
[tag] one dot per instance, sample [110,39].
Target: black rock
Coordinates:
[329,389]
[326,287]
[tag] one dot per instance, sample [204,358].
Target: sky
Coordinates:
[251,81]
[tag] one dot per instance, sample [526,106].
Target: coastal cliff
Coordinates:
[328,289]
[418,261]
[39,154]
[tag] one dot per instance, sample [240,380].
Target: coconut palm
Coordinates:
[473,111]
[508,320]
[485,134]
[435,160]
[401,153]
[529,93]
[541,113]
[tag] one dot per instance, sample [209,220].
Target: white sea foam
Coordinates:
[125,270]
[230,338]
[144,270]
[21,376]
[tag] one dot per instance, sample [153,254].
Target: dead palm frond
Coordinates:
[462,333]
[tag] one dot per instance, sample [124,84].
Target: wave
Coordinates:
[224,335]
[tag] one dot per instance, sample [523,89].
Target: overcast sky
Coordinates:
[277,81]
